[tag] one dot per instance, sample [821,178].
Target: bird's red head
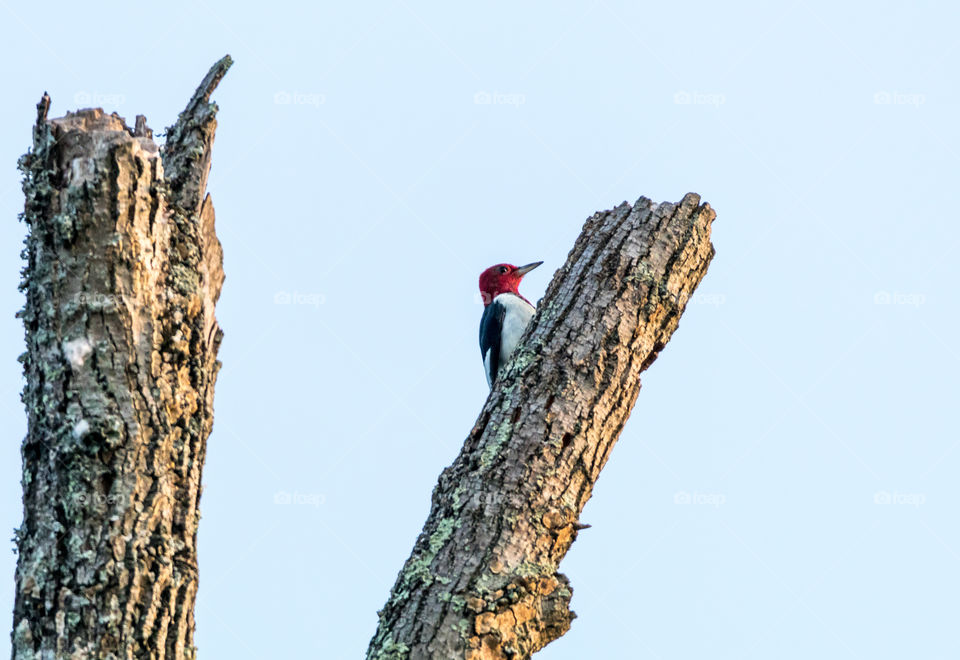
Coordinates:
[503,278]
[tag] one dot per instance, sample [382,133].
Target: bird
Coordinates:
[505,315]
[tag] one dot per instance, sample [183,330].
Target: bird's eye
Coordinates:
[503,269]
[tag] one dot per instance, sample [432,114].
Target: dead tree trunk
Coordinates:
[482,581]
[123,272]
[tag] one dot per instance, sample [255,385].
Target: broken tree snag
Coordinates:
[123,272]
[482,581]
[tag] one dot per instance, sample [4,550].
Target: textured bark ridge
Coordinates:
[482,581]
[123,271]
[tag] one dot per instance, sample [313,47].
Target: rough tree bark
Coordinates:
[482,581]
[123,271]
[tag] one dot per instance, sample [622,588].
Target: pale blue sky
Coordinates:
[787,486]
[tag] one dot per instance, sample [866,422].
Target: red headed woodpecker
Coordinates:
[505,315]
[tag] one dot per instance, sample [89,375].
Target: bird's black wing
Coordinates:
[491,323]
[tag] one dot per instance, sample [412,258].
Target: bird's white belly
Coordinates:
[515,320]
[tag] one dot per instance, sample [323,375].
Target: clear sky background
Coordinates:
[787,485]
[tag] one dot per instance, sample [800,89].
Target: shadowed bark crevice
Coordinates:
[123,271]
[482,581]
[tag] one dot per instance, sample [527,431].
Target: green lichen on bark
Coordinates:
[391,650]
[493,446]
[418,568]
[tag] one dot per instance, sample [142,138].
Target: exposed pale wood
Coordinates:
[483,581]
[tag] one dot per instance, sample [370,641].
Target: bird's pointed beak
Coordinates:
[523,270]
